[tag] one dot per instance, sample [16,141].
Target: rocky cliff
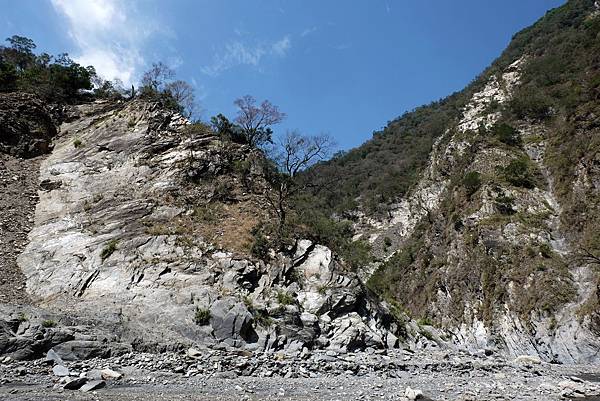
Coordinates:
[142,227]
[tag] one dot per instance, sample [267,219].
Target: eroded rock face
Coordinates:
[26,127]
[112,241]
[29,333]
[496,269]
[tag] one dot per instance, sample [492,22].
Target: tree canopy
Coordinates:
[56,78]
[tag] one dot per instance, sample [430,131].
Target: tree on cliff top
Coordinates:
[256,120]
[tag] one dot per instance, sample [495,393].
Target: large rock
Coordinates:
[232,322]
[76,350]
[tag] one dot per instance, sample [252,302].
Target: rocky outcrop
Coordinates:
[26,127]
[502,235]
[118,236]
[29,333]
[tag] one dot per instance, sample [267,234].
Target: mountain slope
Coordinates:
[486,224]
[144,223]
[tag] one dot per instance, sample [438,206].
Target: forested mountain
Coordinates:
[483,209]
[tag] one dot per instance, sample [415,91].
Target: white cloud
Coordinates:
[282,46]
[107,35]
[239,53]
[308,31]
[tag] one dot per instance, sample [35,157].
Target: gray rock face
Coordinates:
[75,350]
[111,242]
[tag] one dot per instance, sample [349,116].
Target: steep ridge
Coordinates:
[495,241]
[142,224]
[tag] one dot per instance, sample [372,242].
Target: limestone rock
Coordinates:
[60,371]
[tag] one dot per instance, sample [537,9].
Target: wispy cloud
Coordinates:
[282,46]
[239,53]
[108,34]
[308,31]
[343,46]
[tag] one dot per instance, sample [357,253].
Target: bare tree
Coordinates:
[256,120]
[183,93]
[158,84]
[157,76]
[293,154]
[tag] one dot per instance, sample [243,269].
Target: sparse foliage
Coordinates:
[256,120]
[183,93]
[202,316]
[472,182]
[158,84]
[156,77]
[293,154]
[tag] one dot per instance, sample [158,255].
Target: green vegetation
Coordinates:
[425,321]
[49,323]
[208,213]
[285,298]
[545,250]
[262,318]
[261,245]
[506,134]
[472,182]
[403,147]
[505,204]
[109,249]
[52,78]
[77,143]
[202,316]
[519,173]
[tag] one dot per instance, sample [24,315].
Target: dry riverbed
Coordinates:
[223,375]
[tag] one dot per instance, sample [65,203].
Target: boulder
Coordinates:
[52,357]
[110,374]
[232,321]
[93,385]
[80,350]
[413,394]
[349,333]
[193,353]
[75,384]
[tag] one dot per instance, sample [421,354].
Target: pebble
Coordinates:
[60,371]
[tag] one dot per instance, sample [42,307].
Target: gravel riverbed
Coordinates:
[228,375]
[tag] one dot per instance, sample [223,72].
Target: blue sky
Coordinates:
[343,67]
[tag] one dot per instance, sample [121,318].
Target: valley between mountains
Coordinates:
[144,256]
